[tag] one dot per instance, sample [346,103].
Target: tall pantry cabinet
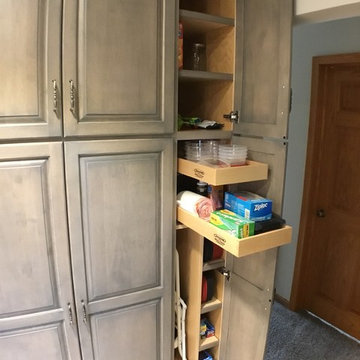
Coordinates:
[87,118]
[86,172]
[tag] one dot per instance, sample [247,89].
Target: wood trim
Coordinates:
[282,301]
[315,133]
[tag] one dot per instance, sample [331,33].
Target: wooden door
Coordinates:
[35,279]
[328,261]
[262,67]
[121,219]
[119,67]
[30,41]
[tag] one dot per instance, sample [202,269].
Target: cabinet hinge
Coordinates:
[225,272]
[233,116]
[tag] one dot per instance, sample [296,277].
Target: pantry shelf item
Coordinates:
[198,205]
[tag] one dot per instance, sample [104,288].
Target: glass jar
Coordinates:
[198,57]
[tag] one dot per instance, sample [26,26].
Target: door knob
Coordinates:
[320,213]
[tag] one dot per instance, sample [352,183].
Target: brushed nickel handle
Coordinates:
[84,312]
[70,314]
[72,97]
[55,97]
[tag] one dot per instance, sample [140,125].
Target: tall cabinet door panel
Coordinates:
[247,305]
[35,278]
[30,41]
[119,59]
[249,293]
[120,214]
[262,81]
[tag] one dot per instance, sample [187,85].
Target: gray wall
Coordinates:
[333,37]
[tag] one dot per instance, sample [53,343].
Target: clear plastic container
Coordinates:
[233,155]
[201,150]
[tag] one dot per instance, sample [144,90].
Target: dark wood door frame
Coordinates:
[316,126]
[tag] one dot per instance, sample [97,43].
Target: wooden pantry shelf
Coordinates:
[195,23]
[208,343]
[211,305]
[195,134]
[191,75]
[233,245]
[221,176]
[213,264]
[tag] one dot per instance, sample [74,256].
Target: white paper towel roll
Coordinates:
[199,205]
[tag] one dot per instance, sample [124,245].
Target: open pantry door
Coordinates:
[262,98]
[262,67]
[249,292]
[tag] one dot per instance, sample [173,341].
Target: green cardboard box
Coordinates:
[232,223]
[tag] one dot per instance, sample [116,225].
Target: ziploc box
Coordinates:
[250,206]
[232,223]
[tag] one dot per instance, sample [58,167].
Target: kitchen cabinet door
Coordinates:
[119,66]
[249,293]
[121,218]
[262,67]
[37,315]
[30,41]
[247,305]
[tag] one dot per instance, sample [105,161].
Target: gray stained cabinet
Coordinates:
[120,223]
[35,281]
[77,67]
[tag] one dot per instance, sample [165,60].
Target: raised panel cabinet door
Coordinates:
[119,67]
[30,42]
[262,67]
[37,314]
[121,214]
[248,294]
[247,306]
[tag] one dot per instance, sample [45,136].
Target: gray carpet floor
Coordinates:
[300,336]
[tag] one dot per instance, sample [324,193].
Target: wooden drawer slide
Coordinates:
[235,246]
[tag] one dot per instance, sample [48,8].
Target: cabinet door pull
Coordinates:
[72,97]
[70,314]
[55,97]
[84,312]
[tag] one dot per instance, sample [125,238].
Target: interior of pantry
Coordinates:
[208,94]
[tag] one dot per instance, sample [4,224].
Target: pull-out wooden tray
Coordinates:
[235,246]
[221,176]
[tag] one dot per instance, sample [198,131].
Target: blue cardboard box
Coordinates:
[250,206]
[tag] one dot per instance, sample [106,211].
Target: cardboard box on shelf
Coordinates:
[249,205]
[232,223]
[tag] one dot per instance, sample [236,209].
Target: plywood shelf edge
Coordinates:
[213,264]
[203,134]
[211,305]
[208,343]
[188,75]
[203,17]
